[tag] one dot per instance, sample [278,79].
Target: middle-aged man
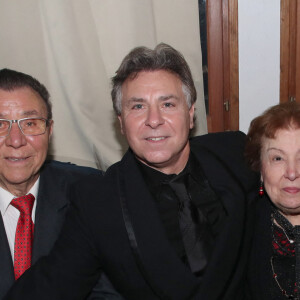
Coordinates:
[26,179]
[171,220]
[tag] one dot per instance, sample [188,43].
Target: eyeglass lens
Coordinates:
[27,126]
[4,127]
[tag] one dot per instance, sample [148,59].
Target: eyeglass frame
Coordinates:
[47,122]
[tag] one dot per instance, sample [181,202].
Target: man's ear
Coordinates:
[192,112]
[121,123]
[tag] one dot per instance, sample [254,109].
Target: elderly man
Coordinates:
[33,194]
[171,219]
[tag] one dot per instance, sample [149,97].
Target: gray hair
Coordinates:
[162,57]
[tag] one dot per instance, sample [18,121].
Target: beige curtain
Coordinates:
[75,46]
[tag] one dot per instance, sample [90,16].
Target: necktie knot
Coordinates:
[24,204]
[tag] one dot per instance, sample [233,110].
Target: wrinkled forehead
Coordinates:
[271,129]
[284,136]
[150,82]
[21,102]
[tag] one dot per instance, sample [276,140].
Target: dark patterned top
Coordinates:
[283,259]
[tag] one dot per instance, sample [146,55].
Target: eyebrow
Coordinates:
[167,97]
[161,98]
[27,113]
[135,99]
[30,113]
[274,149]
[279,150]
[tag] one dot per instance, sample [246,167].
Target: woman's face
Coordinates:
[280,172]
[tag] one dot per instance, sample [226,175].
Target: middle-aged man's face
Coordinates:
[156,120]
[21,157]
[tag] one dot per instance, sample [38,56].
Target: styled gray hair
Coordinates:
[162,57]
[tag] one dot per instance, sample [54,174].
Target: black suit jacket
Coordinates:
[52,203]
[260,277]
[114,226]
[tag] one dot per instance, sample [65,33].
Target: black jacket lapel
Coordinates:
[6,264]
[159,260]
[50,212]
[225,271]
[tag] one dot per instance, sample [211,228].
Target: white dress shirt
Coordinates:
[10,214]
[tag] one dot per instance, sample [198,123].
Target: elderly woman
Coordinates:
[273,149]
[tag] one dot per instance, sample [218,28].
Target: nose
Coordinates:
[16,138]
[154,117]
[292,171]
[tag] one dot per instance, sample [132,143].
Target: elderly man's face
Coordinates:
[156,120]
[21,157]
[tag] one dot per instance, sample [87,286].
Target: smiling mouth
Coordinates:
[14,159]
[291,190]
[155,139]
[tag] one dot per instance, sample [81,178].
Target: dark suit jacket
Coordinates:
[52,203]
[260,277]
[114,226]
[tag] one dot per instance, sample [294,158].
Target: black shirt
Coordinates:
[168,204]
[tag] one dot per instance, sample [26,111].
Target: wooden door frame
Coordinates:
[222,56]
[289,50]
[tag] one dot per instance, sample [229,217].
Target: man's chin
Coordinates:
[155,161]
[17,179]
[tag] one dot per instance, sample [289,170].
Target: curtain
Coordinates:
[74,47]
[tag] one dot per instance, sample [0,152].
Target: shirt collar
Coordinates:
[155,178]
[6,197]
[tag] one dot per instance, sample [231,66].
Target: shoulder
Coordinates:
[126,165]
[99,181]
[229,139]
[226,146]
[226,150]
[108,183]
[94,193]
[69,167]
[67,171]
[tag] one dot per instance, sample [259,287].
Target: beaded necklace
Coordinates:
[280,220]
[283,291]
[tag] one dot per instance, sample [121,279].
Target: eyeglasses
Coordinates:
[28,126]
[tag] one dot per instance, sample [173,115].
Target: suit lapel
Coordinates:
[50,211]
[6,264]
[159,260]
[230,249]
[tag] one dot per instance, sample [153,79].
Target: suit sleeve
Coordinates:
[72,268]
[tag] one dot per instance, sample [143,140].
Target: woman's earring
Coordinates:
[261,189]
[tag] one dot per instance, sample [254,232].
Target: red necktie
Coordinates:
[24,234]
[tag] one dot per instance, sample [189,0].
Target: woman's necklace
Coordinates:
[280,224]
[275,276]
[286,235]
[283,291]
